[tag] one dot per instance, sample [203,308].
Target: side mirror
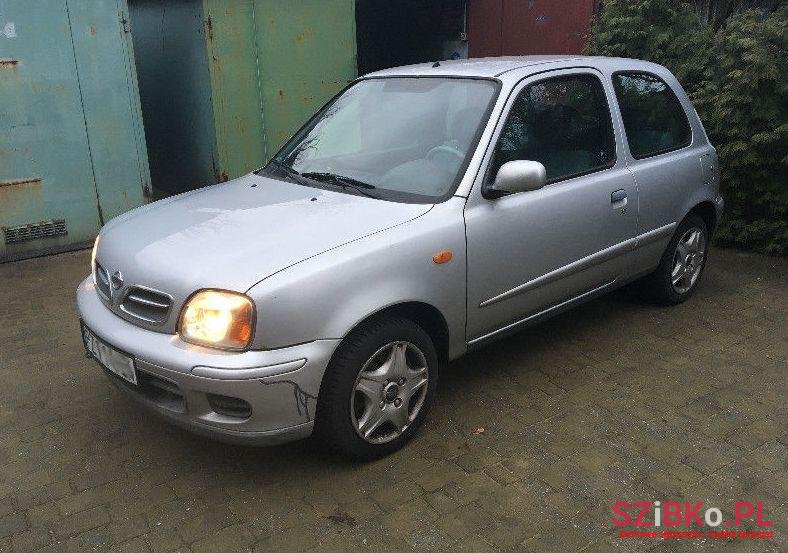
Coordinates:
[517,176]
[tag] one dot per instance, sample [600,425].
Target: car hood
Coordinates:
[232,235]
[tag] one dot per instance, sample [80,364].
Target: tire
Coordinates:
[661,284]
[370,404]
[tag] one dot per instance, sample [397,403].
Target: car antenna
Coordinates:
[436,64]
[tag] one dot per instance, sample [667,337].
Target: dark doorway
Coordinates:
[400,32]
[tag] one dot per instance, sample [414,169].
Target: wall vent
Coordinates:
[35,231]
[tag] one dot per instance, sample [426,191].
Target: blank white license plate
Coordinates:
[113,360]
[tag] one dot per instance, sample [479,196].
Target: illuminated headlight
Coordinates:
[218,319]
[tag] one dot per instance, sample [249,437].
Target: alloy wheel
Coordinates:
[688,260]
[389,392]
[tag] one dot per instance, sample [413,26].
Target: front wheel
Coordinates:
[683,262]
[377,389]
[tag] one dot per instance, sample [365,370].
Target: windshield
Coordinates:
[402,139]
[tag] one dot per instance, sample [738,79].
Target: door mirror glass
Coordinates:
[518,176]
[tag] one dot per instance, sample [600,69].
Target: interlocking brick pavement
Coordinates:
[616,400]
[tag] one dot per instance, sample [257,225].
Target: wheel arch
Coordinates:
[425,315]
[334,423]
[706,211]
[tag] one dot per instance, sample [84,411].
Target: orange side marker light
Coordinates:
[442,257]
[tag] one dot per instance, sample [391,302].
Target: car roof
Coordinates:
[494,67]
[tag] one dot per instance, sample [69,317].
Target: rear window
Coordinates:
[653,118]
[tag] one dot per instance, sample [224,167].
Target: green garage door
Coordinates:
[307,52]
[72,149]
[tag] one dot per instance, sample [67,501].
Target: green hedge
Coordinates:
[736,77]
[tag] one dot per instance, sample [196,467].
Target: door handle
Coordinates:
[618,196]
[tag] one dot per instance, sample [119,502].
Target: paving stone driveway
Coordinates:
[617,400]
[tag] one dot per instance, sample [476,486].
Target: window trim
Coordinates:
[489,177]
[675,97]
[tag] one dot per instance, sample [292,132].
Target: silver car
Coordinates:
[424,211]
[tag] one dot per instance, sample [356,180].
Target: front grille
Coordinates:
[147,305]
[102,281]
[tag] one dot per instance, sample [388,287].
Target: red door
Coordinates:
[524,27]
[484,28]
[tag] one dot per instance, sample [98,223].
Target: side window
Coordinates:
[563,123]
[653,117]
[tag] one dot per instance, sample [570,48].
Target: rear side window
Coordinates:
[563,123]
[653,117]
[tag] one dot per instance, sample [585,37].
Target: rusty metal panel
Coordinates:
[545,26]
[306,54]
[526,27]
[235,91]
[72,153]
[485,18]
[110,100]
[45,168]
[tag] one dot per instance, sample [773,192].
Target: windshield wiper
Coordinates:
[332,178]
[341,180]
[292,173]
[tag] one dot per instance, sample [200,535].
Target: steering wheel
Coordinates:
[433,153]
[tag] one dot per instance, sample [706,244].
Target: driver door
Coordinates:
[533,252]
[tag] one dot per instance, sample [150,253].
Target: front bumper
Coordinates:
[182,381]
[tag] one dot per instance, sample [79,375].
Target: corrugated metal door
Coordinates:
[71,143]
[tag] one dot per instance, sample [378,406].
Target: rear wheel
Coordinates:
[682,264]
[377,389]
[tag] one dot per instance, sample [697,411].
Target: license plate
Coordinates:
[111,359]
